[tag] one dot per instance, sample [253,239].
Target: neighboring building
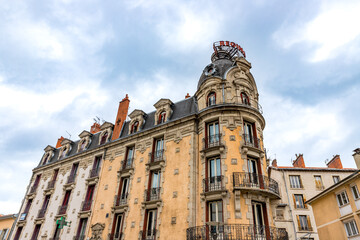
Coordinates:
[6,224]
[337,208]
[298,183]
[194,169]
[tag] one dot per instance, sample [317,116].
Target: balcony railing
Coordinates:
[94,173]
[152,194]
[254,180]
[41,213]
[33,189]
[115,236]
[62,210]
[51,184]
[156,156]
[71,179]
[120,199]
[250,141]
[236,232]
[148,234]
[212,141]
[127,164]
[86,205]
[213,184]
[81,237]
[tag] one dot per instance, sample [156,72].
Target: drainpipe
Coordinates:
[287,194]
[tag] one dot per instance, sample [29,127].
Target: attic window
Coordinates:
[134,127]
[82,146]
[245,99]
[63,153]
[46,159]
[104,138]
[211,99]
[162,116]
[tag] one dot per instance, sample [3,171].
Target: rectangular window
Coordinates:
[215,215]
[279,214]
[250,134]
[295,181]
[318,183]
[36,232]
[342,198]
[212,135]
[118,226]
[97,162]
[355,192]
[18,233]
[129,157]
[81,229]
[3,234]
[151,224]
[304,223]
[336,179]
[158,150]
[351,228]
[299,201]
[73,173]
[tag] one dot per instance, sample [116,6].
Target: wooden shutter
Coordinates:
[301,185]
[305,205]
[294,201]
[309,223]
[298,220]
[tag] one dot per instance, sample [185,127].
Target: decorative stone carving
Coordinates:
[137,115]
[163,105]
[97,230]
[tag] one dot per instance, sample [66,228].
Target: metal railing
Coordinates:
[152,194]
[86,205]
[41,213]
[156,156]
[213,184]
[33,188]
[71,179]
[236,232]
[94,173]
[148,234]
[127,164]
[251,141]
[62,210]
[51,184]
[212,141]
[254,180]
[120,199]
[115,236]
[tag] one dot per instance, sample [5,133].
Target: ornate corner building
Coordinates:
[194,169]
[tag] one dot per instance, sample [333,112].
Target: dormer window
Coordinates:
[104,138]
[134,127]
[162,116]
[46,158]
[63,153]
[82,146]
[245,99]
[211,99]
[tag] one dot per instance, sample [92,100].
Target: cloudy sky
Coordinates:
[64,62]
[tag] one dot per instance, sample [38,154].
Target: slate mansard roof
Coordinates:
[180,110]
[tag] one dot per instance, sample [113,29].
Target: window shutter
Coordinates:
[305,205]
[294,201]
[309,223]
[301,185]
[298,220]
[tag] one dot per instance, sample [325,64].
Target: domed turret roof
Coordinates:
[215,69]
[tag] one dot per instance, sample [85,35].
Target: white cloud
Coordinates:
[331,33]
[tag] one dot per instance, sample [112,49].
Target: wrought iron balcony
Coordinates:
[211,184]
[41,213]
[62,210]
[152,194]
[33,189]
[51,184]
[255,181]
[236,232]
[156,156]
[86,206]
[127,164]
[148,234]
[94,173]
[250,141]
[115,236]
[71,179]
[120,200]
[212,141]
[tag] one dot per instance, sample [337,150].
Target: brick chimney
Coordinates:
[121,117]
[299,161]
[335,162]
[58,144]
[187,96]
[356,156]
[95,128]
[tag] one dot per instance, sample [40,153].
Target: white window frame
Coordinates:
[300,202]
[351,228]
[293,183]
[342,198]
[355,192]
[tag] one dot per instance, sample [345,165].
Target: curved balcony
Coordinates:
[255,182]
[235,232]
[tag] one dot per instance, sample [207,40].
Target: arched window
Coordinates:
[162,116]
[245,99]
[134,127]
[104,138]
[211,99]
